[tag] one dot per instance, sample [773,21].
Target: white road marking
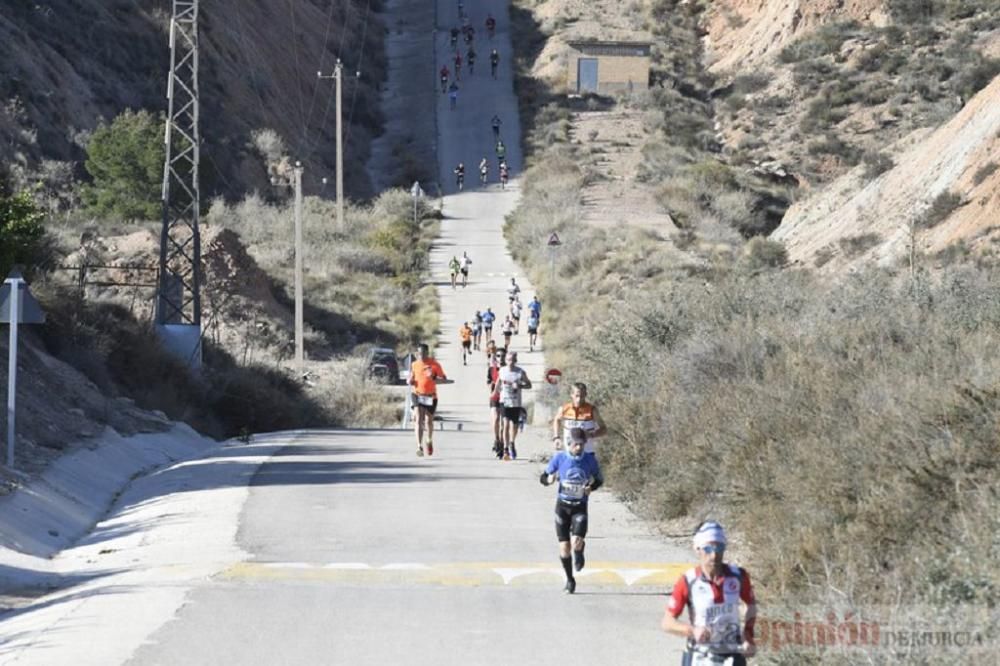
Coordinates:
[510,574]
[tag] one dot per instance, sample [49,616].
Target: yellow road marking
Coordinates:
[461,574]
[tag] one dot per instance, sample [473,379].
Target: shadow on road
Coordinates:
[45,589]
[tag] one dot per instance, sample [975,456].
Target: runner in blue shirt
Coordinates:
[578,476]
[535,307]
[532,331]
[488,318]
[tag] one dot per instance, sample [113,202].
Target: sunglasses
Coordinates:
[709,549]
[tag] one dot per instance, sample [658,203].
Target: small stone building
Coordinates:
[608,67]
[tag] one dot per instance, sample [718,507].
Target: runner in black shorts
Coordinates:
[578,475]
[493,382]
[465,335]
[512,380]
[430,408]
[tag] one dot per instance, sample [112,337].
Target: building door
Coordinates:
[586,75]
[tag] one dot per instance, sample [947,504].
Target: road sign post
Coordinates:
[15,289]
[22,308]
[553,244]
[416,192]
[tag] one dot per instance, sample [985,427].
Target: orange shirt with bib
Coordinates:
[423,375]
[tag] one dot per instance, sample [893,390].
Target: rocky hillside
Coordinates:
[65,64]
[945,189]
[874,108]
[744,33]
[822,89]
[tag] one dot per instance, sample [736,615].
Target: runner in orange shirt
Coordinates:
[465,334]
[578,413]
[425,373]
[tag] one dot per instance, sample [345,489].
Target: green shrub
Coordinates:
[21,229]
[984,172]
[876,163]
[833,145]
[912,11]
[763,252]
[125,161]
[771,103]
[941,207]
[820,116]
[813,74]
[853,246]
[976,75]
[823,256]
[825,41]
[747,84]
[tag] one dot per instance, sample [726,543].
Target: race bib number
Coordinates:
[589,426]
[425,400]
[710,659]
[574,490]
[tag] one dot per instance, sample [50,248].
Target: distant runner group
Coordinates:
[711,592]
[450,78]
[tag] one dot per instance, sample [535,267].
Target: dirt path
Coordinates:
[614,138]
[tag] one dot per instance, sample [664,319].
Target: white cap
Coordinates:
[709,532]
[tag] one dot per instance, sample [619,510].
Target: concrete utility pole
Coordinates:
[338,72]
[299,324]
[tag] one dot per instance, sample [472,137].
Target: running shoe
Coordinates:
[430,448]
[570,586]
[420,451]
[506,454]
[513,452]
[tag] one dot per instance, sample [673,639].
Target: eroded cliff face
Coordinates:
[874,110]
[959,159]
[66,64]
[742,33]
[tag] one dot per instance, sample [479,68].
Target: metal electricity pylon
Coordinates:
[178,307]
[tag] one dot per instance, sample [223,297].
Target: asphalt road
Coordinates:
[349,549]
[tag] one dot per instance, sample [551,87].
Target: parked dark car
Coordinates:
[382,366]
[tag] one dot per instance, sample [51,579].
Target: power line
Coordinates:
[241,38]
[316,84]
[298,68]
[354,93]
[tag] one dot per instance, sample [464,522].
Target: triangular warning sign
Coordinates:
[554,239]
[28,309]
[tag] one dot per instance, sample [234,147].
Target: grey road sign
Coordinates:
[29,311]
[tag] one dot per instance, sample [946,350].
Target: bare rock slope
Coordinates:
[740,33]
[960,157]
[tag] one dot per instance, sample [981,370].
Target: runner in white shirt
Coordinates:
[512,379]
[463,265]
[513,289]
[515,315]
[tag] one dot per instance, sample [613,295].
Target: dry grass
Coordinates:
[353,401]
[363,285]
[363,282]
[123,357]
[849,430]
[829,420]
